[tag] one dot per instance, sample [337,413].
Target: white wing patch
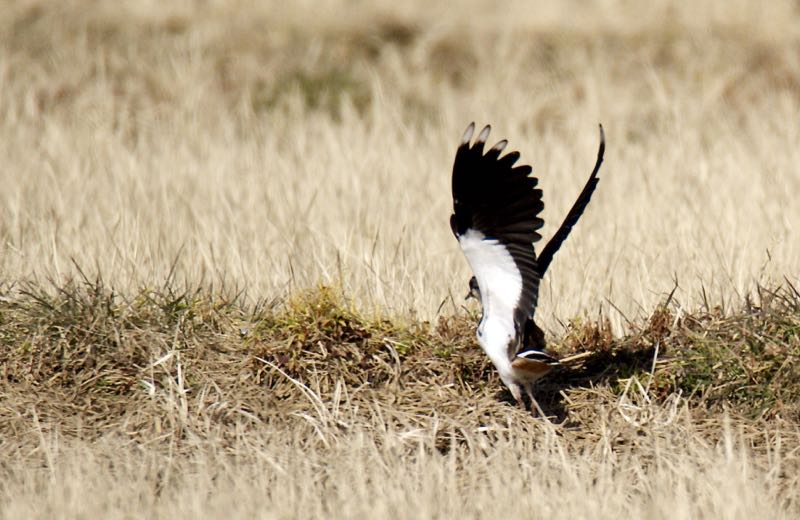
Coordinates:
[499,279]
[500,283]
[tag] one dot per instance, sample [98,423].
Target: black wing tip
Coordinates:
[601,151]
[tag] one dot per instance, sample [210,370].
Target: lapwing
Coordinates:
[496,208]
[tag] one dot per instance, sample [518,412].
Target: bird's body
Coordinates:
[495,218]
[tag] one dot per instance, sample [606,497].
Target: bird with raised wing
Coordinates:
[496,208]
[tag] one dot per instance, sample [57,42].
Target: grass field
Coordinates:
[228,285]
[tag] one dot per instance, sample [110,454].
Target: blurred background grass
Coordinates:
[267,147]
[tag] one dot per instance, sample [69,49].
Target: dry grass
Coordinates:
[267,151]
[179,179]
[193,404]
[358,476]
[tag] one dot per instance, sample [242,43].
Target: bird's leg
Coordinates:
[535,408]
[516,392]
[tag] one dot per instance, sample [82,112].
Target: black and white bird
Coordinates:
[496,208]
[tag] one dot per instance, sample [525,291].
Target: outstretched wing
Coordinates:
[533,343]
[574,213]
[496,208]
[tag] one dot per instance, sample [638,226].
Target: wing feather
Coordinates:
[496,208]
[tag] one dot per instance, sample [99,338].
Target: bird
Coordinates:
[496,220]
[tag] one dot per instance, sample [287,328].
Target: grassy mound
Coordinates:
[178,399]
[94,361]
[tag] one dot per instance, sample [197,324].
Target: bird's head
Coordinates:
[474,290]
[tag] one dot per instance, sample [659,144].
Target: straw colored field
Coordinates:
[176,177]
[266,149]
